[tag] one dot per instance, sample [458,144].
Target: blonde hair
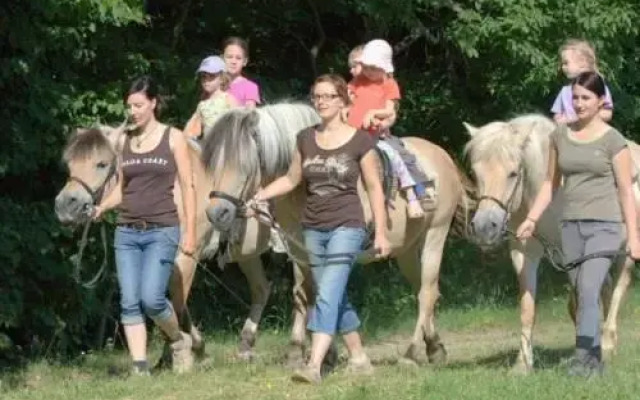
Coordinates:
[225,83]
[584,49]
[356,50]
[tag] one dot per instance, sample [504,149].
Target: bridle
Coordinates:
[96,194]
[237,200]
[506,206]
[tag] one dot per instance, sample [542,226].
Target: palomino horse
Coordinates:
[91,157]
[509,161]
[249,148]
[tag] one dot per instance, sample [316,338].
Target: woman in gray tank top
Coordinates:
[595,163]
[148,232]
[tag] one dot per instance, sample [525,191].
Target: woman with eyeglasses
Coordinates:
[329,160]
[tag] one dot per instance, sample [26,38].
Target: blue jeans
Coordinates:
[144,260]
[332,311]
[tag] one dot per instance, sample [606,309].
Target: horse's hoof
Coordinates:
[198,344]
[246,355]
[165,362]
[331,360]
[437,354]
[520,370]
[408,362]
[608,353]
[295,357]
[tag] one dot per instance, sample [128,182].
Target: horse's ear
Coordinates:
[112,134]
[252,118]
[472,130]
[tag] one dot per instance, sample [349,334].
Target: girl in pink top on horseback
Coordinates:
[236,56]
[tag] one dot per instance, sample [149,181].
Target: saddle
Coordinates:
[389,190]
[388,178]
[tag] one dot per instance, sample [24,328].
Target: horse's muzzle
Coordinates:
[72,207]
[488,227]
[222,215]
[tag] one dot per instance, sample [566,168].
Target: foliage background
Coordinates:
[66,63]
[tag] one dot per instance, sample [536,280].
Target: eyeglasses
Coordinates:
[324,97]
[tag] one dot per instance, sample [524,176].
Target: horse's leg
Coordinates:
[610,328]
[409,265]
[260,287]
[302,296]
[421,266]
[431,258]
[525,261]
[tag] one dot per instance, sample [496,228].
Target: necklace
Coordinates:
[142,137]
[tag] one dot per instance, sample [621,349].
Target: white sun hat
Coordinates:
[378,53]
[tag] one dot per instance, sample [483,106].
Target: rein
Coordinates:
[552,252]
[267,219]
[96,195]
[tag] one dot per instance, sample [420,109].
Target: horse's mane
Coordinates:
[84,143]
[260,139]
[523,140]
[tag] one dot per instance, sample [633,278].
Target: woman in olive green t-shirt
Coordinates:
[595,162]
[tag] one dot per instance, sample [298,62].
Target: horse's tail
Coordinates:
[466,205]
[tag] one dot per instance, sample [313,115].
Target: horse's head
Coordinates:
[246,149]
[508,160]
[232,155]
[92,162]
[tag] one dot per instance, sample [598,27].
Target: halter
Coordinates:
[552,252]
[96,194]
[235,200]
[506,206]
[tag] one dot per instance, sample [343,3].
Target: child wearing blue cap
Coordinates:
[215,99]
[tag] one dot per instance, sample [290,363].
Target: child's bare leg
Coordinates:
[414,208]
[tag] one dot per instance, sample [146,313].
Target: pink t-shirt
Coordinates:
[244,90]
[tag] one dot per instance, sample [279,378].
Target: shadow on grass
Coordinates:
[544,358]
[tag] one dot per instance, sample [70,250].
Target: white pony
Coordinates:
[509,160]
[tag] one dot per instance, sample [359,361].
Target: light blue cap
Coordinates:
[212,65]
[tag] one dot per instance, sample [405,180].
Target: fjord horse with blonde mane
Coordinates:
[92,156]
[250,148]
[509,161]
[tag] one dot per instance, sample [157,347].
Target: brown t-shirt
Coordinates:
[147,187]
[331,181]
[589,190]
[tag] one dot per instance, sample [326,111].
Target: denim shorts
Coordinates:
[332,256]
[144,261]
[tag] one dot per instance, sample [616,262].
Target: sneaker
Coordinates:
[307,374]
[360,365]
[182,356]
[585,365]
[140,371]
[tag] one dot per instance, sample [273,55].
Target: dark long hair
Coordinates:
[592,81]
[147,85]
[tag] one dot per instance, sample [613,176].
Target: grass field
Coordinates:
[481,344]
